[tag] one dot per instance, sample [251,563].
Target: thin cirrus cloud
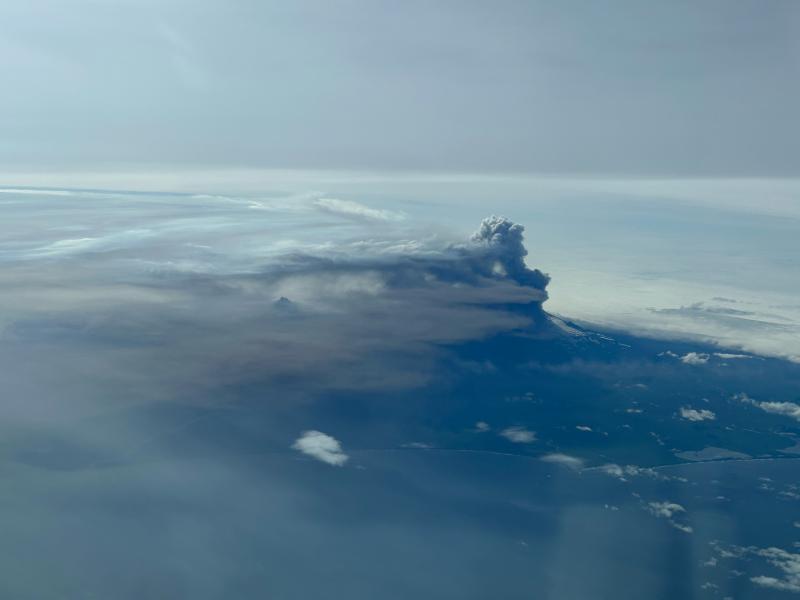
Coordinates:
[350,208]
[321,446]
[564,460]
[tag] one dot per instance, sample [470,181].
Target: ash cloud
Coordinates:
[504,252]
[493,258]
[178,297]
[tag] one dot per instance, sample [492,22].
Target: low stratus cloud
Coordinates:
[321,446]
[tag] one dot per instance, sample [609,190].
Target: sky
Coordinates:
[625,88]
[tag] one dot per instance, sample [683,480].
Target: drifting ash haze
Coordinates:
[174,297]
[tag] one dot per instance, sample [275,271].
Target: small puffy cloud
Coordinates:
[695,358]
[613,470]
[709,586]
[322,447]
[482,426]
[691,414]
[519,435]
[565,460]
[681,527]
[583,428]
[623,472]
[668,510]
[773,582]
[348,208]
[665,509]
[786,562]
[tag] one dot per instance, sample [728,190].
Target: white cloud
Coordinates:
[785,561]
[695,358]
[418,446]
[709,586]
[37,192]
[322,447]
[565,460]
[482,426]
[681,527]
[519,435]
[613,470]
[665,509]
[622,472]
[583,428]
[691,414]
[788,409]
[349,208]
